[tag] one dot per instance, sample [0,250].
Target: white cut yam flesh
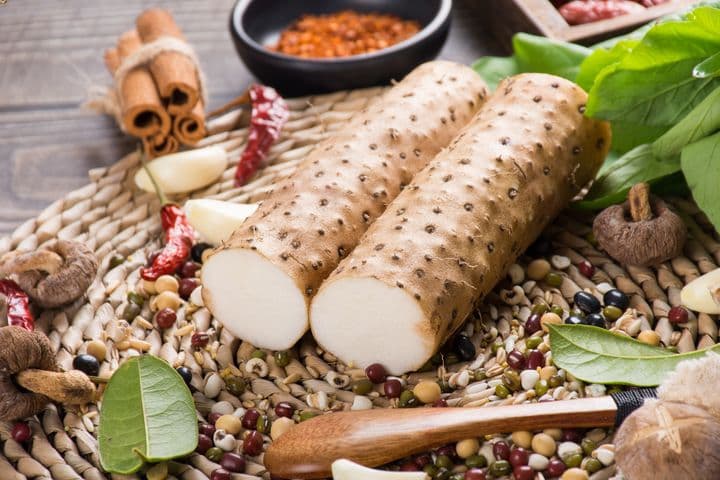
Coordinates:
[216,220]
[451,235]
[346,470]
[184,171]
[260,282]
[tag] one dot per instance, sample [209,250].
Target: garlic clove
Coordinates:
[216,220]
[703,293]
[347,470]
[185,171]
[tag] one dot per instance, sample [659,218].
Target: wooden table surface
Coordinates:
[51,52]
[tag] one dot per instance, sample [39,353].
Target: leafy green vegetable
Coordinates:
[600,59]
[596,355]
[544,55]
[701,165]
[615,179]
[626,136]
[147,414]
[495,69]
[708,68]
[702,121]
[653,84]
[533,54]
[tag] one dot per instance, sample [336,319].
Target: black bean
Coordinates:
[587,302]
[87,364]
[595,319]
[616,298]
[186,374]
[573,320]
[465,347]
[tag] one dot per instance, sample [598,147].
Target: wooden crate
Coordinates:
[507,17]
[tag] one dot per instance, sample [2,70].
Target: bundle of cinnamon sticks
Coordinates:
[158,84]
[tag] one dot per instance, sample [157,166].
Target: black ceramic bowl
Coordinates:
[255,24]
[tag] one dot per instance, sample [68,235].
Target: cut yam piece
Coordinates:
[451,235]
[263,291]
[315,217]
[392,323]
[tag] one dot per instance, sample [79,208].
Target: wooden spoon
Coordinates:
[376,437]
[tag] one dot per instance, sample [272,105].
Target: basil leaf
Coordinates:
[614,181]
[495,69]
[700,122]
[147,414]
[708,68]
[596,355]
[653,84]
[701,166]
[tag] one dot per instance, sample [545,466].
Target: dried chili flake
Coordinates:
[269,114]
[344,34]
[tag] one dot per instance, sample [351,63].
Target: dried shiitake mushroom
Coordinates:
[27,360]
[642,231]
[677,436]
[55,275]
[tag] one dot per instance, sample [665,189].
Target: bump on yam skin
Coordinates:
[315,217]
[452,233]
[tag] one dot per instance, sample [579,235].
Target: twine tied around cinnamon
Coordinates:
[107,99]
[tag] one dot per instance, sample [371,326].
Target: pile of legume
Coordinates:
[343,34]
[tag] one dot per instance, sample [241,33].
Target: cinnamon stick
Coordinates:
[189,127]
[142,112]
[158,145]
[174,73]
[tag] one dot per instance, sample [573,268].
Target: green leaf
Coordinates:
[602,58]
[626,136]
[544,55]
[700,122]
[615,179]
[595,355]
[147,414]
[495,69]
[708,68]
[701,166]
[653,84]
[533,54]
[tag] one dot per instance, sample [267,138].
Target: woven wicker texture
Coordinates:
[114,218]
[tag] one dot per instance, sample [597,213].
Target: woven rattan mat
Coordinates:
[114,218]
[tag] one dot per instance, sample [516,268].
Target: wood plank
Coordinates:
[50,52]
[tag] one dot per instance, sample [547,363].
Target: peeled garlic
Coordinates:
[703,293]
[215,220]
[347,470]
[184,171]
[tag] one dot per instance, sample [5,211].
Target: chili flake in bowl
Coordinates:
[314,46]
[344,34]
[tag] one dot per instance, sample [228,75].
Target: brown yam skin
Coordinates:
[451,235]
[315,217]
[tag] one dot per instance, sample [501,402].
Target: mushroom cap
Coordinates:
[51,289]
[647,242]
[669,441]
[21,349]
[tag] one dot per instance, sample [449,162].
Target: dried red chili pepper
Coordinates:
[179,237]
[18,305]
[580,11]
[269,114]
